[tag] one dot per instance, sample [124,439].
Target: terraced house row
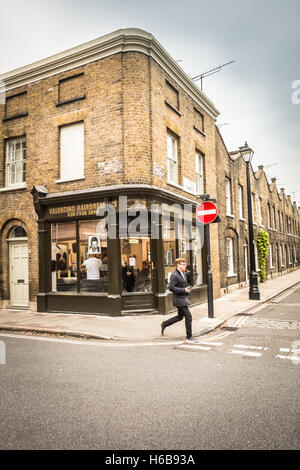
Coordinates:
[113,120]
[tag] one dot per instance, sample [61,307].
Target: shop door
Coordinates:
[137,275]
[18,255]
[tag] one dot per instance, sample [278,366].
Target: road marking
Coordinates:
[297,351]
[209,343]
[244,353]
[194,346]
[291,358]
[245,346]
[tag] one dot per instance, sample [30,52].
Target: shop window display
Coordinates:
[90,247]
[63,257]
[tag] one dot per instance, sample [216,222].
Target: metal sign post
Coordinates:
[207,213]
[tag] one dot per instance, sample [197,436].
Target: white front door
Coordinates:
[18,257]
[246,264]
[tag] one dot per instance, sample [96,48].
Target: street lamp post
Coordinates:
[254,294]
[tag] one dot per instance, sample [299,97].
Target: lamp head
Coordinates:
[246,152]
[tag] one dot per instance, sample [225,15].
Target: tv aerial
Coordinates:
[210,72]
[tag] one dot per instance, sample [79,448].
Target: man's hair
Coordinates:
[179,260]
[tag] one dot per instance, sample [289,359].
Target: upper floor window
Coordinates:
[15,161]
[253,207]
[274,218]
[269,216]
[199,121]
[199,165]
[228,197]
[172,154]
[259,209]
[72,152]
[241,201]
[172,96]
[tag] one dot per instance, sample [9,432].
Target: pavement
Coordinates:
[145,327]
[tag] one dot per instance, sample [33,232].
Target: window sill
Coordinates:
[231,216]
[242,219]
[70,180]
[15,116]
[72,100]
[173,108]
[231,274]
[13,187]
[199,130]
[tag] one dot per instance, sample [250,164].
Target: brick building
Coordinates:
[114,117]
[273,212]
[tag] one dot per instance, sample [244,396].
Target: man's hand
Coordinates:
[187,290]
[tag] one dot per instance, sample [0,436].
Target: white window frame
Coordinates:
[199,168]
[172,156]
[15,165]
[259,211]
[228,197]
[241,202]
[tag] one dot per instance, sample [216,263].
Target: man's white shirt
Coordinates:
[93,265]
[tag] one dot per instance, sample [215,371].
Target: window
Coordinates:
[172,96]
[79,263]
[172,153]
[281,256]
[199,121]
[253,207]
[274,218]
[241,201]
[72,152]
[279,221]
[15,161]
[199,165]
[230,261]
[228,197]
[259,210]
[269,216]
[271,256]
[71,89]
[17,232]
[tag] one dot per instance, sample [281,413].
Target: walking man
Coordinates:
[181,292]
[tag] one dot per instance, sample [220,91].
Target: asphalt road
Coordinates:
[240,390]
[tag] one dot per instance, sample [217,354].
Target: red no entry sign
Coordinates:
[206,212]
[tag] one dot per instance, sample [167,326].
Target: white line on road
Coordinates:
[291,358]
[296,351]
[194,346]
[245,346]
[244,353]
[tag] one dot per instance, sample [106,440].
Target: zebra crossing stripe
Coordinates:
[245,346]
[244,353]
[291,358]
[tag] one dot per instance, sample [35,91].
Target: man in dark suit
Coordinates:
[181,298]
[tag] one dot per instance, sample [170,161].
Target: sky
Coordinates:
[258,96]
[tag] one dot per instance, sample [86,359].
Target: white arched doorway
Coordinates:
[18,267]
